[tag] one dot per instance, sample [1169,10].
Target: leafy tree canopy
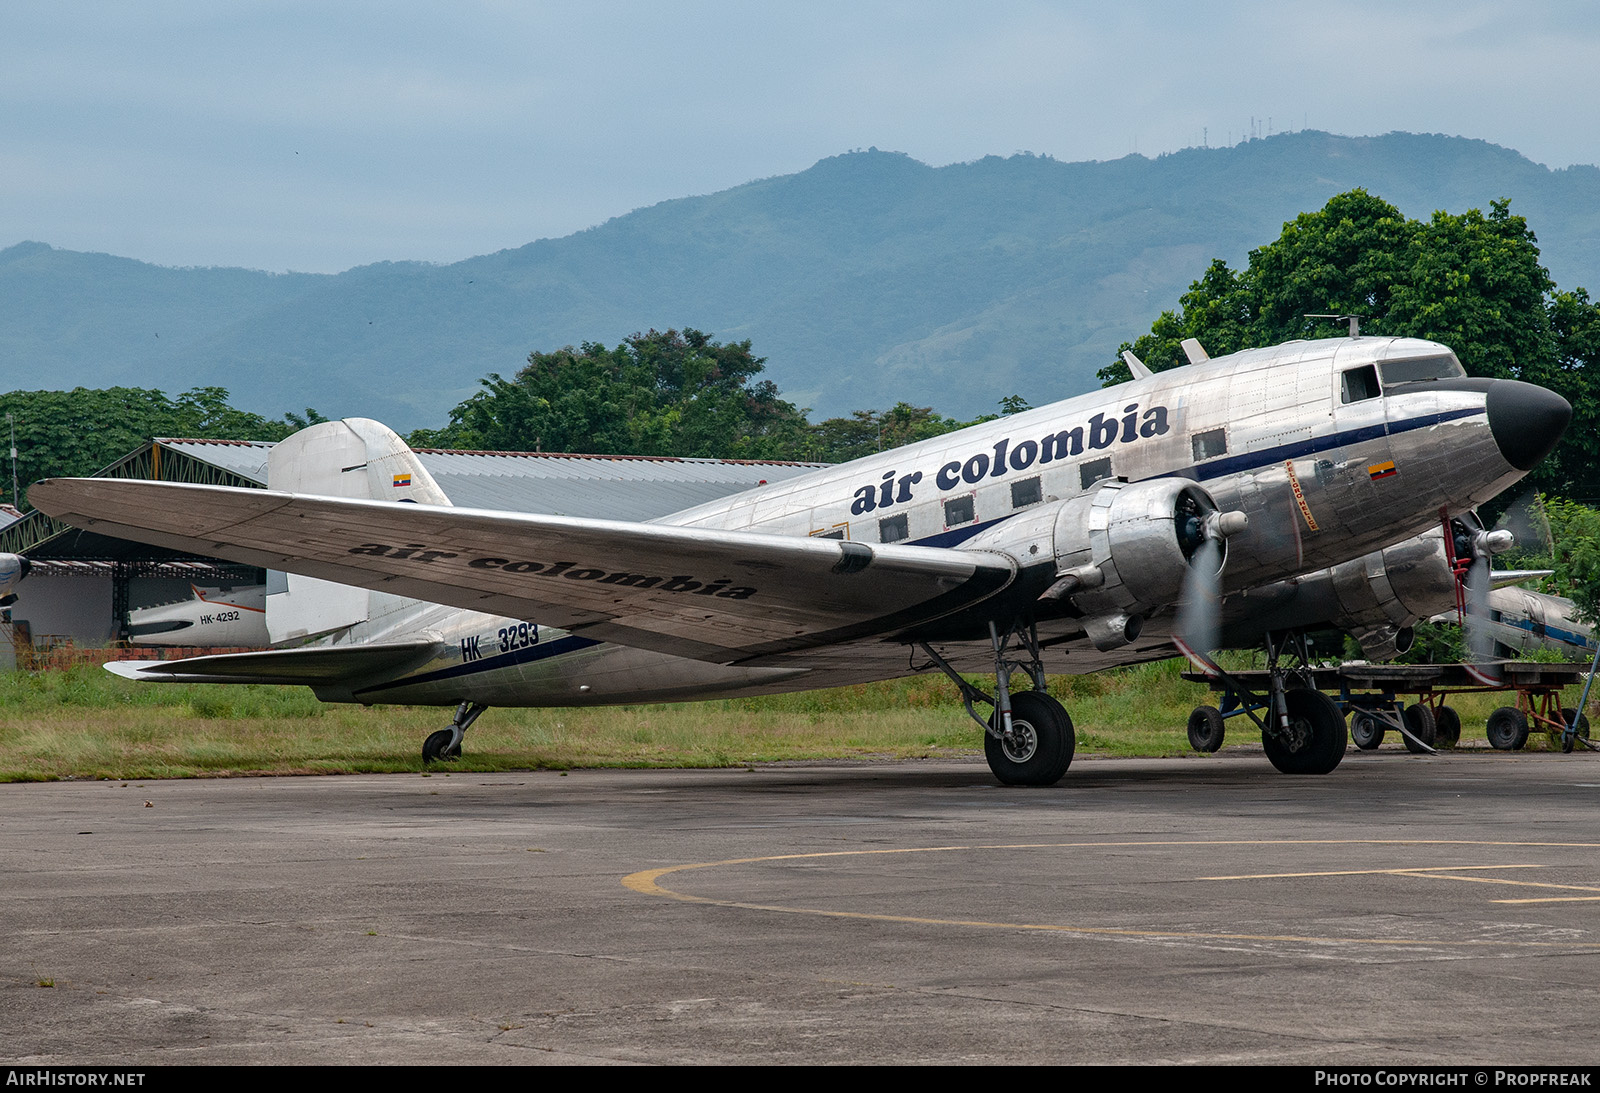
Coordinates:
[78,432]
[1471,281]
[657,393]
[671,393]
[1573,551]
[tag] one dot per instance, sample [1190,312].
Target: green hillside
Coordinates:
[868,279]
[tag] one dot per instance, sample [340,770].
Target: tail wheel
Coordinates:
[1041,744]
[1507,728]
[1316,738]
[438,747]
[1420,724]
[1205,728]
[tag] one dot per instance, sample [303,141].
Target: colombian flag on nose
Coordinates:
[1374,470]
[402,480]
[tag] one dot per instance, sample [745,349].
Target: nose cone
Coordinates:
[1526,421]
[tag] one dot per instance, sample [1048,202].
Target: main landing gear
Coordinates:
[1028,739]
[1303,730]
[446,743]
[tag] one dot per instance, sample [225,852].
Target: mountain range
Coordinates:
[868,279]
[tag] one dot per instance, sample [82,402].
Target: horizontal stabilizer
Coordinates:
[314,666]
[1505,578]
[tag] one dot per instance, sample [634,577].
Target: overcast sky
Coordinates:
[318,136]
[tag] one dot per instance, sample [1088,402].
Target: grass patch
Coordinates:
[84,722]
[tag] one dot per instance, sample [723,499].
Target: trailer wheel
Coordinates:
[1206,728]
[1507,729]
[1567,742]
[1446,727]
[1420,724]
[1366,731]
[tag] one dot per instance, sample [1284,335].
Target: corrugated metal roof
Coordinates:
[614,487]
[245,458]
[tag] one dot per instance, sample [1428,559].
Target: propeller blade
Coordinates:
[1199,622]
[1474,623]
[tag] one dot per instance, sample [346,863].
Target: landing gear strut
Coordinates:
[1028,739]
[1303,731]
[446,743]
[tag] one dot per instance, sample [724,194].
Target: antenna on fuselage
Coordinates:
[1140,370]
[1353,320]
[1194,351]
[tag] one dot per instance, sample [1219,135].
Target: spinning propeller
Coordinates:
[1203,535]
[1468,549]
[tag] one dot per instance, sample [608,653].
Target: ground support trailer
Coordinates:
[1373,697]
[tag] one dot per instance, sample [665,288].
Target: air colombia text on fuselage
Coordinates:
[1100,432]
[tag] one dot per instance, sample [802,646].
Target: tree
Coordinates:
[1574,555]
[1471,281]
[658,393]
[78,432]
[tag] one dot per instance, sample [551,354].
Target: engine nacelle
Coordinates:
[1124,550]
[1383,594]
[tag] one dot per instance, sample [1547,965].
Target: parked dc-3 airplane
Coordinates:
[1301,484]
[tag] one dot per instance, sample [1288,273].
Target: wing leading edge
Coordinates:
[723,596]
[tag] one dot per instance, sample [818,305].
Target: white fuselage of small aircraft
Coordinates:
[207,617]
[1520,621]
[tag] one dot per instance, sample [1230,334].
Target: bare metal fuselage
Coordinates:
[1324,479]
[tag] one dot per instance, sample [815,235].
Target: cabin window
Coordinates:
[959,510]
[835,532]
[1093,471]
[1027,492]
[1360,384]
[1210,444]
[892,529]
[1439,366]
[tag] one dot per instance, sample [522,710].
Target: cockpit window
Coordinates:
[1439,366]
[1360,383]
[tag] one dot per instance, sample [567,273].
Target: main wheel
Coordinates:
[1567,742]
[1205,728]
[1366,731]
[1507,728]
[1446,727]
[1421,725]
[1041,744]
[437,747]
[1316,738]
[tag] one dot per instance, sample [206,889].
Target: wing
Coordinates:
[312,666]
[723,596]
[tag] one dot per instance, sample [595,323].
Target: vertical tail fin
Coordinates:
[356,458]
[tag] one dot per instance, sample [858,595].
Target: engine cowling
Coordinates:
[1125,549]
